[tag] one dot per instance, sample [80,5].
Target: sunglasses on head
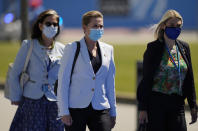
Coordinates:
[51,23]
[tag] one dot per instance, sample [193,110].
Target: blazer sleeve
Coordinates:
[191,93]
[15,89]
[143,90]
[64,80]
[110,82]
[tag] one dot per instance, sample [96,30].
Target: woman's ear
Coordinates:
[40,26]
[84,28]
[163,26]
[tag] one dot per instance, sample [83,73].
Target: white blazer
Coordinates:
[86,86]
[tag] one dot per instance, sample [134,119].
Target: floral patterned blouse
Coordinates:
[167,79]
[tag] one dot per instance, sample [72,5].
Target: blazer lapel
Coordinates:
[103,57]
[39,51]
[158,51]
[85,55]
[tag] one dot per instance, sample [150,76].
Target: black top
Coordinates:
[96,61]
[151,62]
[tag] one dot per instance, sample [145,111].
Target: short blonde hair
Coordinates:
[159,32]
[89,15]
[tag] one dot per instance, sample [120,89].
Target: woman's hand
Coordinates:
[67,120]
[143,117]
[16,103]
[193,113]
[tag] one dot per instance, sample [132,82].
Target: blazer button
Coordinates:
[92,89]
[94,78]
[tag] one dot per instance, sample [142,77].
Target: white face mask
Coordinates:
[50,31]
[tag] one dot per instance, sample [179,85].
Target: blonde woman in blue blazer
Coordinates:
[37,108]
[90,98]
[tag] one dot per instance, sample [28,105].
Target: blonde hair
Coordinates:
[159,31]
[89,15]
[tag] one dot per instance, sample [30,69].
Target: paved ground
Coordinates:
[126,119]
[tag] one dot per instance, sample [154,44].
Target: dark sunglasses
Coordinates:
[49,24]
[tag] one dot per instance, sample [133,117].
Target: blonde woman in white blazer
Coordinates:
[90,98]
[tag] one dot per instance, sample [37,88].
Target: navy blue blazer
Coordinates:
[151,61]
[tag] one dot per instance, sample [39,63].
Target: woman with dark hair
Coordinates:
[167,79]
[36,100]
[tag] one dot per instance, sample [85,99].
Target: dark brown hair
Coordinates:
[36,32]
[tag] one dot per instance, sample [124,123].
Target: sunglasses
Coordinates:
[51,23]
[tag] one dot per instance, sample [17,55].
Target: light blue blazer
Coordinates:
[86,86]
[37,70]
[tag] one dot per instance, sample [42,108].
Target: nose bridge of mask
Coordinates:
[97,31]
[51,26]
[54,27]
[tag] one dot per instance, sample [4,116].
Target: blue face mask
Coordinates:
[173,32]
[96,34]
